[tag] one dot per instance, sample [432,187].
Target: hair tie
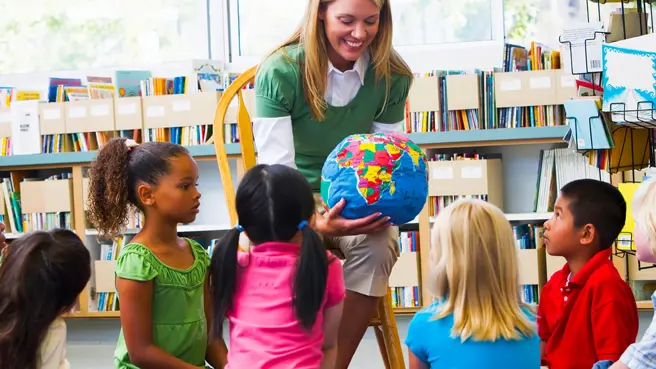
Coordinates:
[130,143]
[239,228]
[302,224]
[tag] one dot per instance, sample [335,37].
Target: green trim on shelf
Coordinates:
[483,135]
[430,138]
[69,158]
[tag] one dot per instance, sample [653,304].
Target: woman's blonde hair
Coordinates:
[643,211]
[474,270]
[314,67]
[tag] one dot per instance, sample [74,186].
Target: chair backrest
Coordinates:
[245,132]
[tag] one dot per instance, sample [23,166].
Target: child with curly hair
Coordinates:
[161,279]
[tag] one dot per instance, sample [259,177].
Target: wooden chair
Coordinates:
[384,323]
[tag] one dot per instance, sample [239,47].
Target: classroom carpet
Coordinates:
[91,343]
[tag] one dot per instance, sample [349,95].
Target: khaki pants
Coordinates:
[368,258]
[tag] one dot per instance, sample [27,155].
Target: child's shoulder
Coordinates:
[428,314]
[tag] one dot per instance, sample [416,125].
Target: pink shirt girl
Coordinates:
[264,331]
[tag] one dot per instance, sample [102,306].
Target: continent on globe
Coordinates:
[377,172]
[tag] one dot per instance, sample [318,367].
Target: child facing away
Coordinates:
[283,297]
[40,279]
[587,315]
[161,279]
[642,355]
[478,319]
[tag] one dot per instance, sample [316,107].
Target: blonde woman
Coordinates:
[478,320]
[337,75]
[642,354]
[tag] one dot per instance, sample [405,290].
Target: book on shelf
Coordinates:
[106,298]
[405,287]
[529,237]
[187,133]
[607,145]
[464,175]
[535,58]
[556,168]
[441,101]
[46,220]
[629,67]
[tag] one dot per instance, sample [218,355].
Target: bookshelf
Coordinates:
[77,163]
[470,113]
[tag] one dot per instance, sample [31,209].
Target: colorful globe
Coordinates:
[377,172]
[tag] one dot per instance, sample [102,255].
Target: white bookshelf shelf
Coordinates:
[520,217]
[181,229]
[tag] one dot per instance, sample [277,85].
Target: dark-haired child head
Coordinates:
[274,204]
[588,217]
[41,277]
[158,178]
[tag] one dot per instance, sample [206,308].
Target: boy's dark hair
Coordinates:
[114,177]
[271,203]
[598,203]
[41,277]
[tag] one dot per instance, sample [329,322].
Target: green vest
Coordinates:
[279,93]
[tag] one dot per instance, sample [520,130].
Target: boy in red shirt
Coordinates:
[587,314]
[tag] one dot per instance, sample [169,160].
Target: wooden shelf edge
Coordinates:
[645,305]
[406,310]
[94,315]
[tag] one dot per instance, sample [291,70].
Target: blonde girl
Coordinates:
[643,354]
[477,319]
[335,76]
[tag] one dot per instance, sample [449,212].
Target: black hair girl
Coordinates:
[40,279]
[273,202]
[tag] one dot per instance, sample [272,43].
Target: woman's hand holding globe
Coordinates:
[332,224]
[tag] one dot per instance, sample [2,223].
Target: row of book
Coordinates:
[556,168]
[407,296]
[22,218]
[529,237]
[467,100]
[203,76]
[108,301]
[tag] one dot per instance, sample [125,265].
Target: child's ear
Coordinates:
[145,194]
[588,233]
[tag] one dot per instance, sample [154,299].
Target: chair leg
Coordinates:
[380,337]
[392,343]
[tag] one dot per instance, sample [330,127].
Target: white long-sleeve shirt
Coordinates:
[53,347]
[273,136]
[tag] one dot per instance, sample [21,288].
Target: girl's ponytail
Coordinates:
[108,188]
[311,277]
[223,277]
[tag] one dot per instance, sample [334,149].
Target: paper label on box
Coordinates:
[568,81]
[100,110]
[511,85]
[442,172]
[77,112]
[52,114]
[127,109]
[155,111]
[182,105]
[540,82]
[5,117]
[471,172]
